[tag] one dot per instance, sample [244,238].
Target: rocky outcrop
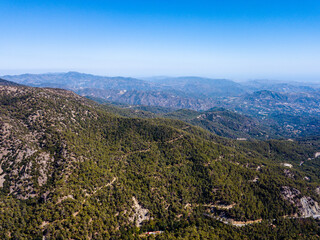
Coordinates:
[140,214]
[290,194]
[306,205]
[288,173]
[286,165]
[2,177]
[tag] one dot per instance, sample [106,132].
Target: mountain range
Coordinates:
[73,168]
[281,109]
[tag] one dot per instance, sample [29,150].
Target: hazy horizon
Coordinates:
[237,40]
[152,77]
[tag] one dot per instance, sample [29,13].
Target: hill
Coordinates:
[8,83]
[219,121]
[225,123]
[295,114]
[71,169]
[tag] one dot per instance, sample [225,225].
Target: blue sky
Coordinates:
[224,39]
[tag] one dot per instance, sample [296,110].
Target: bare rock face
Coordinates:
[290,194]
[140,214]
[306,205]
[2,177]
[309,207]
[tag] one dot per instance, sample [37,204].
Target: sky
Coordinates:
[240,40]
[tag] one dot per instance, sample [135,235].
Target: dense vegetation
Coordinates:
[73,170]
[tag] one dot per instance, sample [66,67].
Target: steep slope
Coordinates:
[70,169]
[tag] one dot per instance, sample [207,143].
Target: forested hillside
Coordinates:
[219,121]
[70,169]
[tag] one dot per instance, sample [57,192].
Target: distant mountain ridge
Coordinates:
[291,107]
[196,86]
[75,80]
[8,83]
[183,92]
[282,87]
